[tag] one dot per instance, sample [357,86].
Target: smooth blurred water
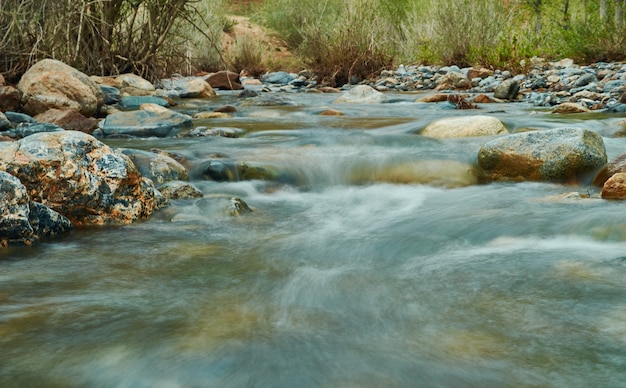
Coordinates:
[338,278]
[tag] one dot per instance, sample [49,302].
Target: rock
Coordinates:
[212,115]
[215,131]
[440,173]
[225,109]
[24,130]
[180,190]
[615,187]
[219,170]
[51,84]
[4,122]
[483,99]
[2,81]
[585,80]
[464,126]
[331,112]
[23,221]
[269,100]
[19,118]
[158,167]
[439,97]
[238,207]
[570,107]
[189,87]
[10,98]
[555,155]
[81,178]
[622,98]
[278,77]
[135,102]
[455,79]
[68,119]
[247,93]
[361,94]
[144,123]
[480,72]
[507,90]
[112,94]
[617,165]
[134,85]
[225,80]
[461,102]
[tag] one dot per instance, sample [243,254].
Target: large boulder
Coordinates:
[464,126]
[361,94]
[133,85]
[83,179]
[23,221]
[51,84]
[151,120]
[156,166]
[555,155]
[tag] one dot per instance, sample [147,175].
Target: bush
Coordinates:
[149,37]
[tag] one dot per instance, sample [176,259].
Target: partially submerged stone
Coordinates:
[361,94]
[158,167]
[615,187]
[465,126]
[144,123]
[555,155]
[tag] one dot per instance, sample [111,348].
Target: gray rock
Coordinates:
[507,90]
[585,79]
[24,130]
[158,167]
[4,122]
[19,118]
[555,155]
[145,123]
[111,94]
[189,87]
[179,190]
[135,102]
[361,94]
[278,77]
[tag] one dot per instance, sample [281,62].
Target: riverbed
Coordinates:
[334,279]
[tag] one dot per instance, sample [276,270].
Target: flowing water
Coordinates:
[344,274]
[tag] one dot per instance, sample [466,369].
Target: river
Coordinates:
[334,279]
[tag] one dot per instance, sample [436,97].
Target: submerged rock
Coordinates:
[555,155]
[81,178]
[361,94]
[158,167]
[464,126]
[179,190]
[440,173]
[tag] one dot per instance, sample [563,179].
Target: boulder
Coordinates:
[225,80]
[555,155]
[145,123]
[278,77]
[23,221]
[464,126]
[112,94]
[615,187]
[180,190]
[361,94]
[68,119]
[507,90]
[81,178]
[439,97]
[51,84]
[189,87]
[156,166]
[134,85]
[10,98]
[19,118]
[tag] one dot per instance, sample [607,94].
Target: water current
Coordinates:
[344,275]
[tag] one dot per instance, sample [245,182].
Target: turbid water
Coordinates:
[342,276]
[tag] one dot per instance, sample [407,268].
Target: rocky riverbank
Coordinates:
[57,172]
